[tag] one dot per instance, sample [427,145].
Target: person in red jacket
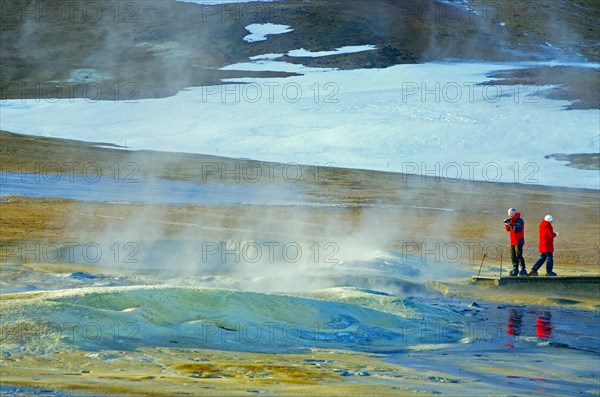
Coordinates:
[515,225]
[546,247]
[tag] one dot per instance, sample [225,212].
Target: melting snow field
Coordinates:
[342,50]
[435,119]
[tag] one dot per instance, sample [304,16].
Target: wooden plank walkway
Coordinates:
[563,280]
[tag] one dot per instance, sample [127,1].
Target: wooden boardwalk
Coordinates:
[539,280]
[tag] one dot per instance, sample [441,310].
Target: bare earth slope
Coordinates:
[413,212]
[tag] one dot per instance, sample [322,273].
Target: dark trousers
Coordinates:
[516,254]
[547,257]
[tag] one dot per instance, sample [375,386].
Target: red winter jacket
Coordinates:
[516,227]
[546,237]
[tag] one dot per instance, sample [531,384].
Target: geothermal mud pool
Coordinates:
[142,332]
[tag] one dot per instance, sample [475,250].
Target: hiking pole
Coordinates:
[480,266]
[500,262]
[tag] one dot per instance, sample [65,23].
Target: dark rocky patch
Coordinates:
[582,161]
[156,48]
[580,85]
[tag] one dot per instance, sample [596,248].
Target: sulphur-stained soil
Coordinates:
[351,211]
[58,355]
[415,213]
[163,372]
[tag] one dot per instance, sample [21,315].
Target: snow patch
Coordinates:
[80,76]
[260,31]
[273,66]
[218,2]
[341,50]
[264,57]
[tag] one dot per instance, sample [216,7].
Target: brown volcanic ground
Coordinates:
[406,207]
[156,48]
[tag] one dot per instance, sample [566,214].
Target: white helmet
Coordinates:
[548,218]
[511,211]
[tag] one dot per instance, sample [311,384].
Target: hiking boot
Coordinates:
[523,272]
[514,273]
[551,274]
[533,273]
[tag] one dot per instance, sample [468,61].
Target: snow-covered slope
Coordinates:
[434,119]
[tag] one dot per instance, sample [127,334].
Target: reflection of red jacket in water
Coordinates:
[546,237]
[543,326]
